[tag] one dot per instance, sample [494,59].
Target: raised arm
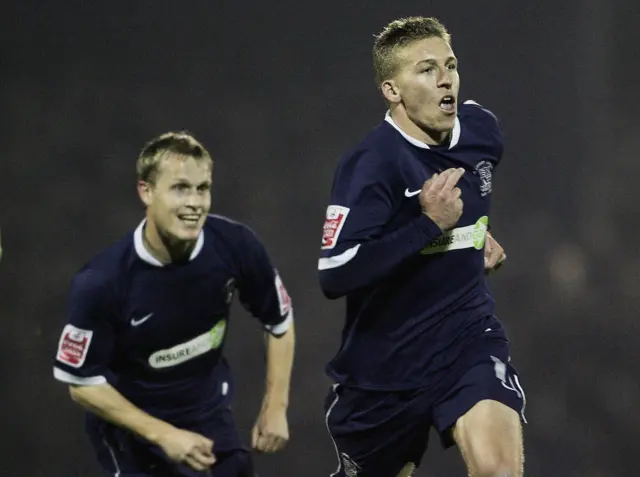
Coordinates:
[356,250]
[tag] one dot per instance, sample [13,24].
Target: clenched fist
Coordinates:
[271,431]
[189,448]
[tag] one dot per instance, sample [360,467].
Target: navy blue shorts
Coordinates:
[123,454]
[376,433]
[228,464]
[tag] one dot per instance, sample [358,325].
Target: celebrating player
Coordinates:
[405,241]
[147,322]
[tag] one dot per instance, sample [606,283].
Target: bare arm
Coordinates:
[280,351]
[271,431]
[179,445]
[107,403]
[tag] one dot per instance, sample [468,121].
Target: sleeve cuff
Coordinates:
[429,227]
[69,378]
[281,328]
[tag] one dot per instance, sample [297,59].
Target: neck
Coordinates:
[162,247]
[427,136]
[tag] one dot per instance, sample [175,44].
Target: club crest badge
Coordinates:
[484,171]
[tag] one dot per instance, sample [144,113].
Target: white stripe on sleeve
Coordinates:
[69,378]
[327,263]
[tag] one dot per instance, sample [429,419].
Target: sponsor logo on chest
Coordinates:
[471,236]
[193,348]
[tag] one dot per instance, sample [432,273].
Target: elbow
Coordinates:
[76,394]
[338,273]
[331,286]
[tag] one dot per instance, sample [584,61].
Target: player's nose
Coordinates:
[445,80]
[194,201]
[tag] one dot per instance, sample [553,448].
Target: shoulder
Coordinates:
[374,158]
[92,283]
[103,275]
[237,243]
[234,235]
[376,148]
[484,125]
[104,268]
[471,111]
[223,226]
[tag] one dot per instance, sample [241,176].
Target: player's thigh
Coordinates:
[376,434]
[486,396]
[489,437]
[236,463]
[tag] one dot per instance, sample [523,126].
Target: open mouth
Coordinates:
[190,220]
[448,104]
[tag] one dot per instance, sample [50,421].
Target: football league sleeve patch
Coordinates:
[74,346]
[334,221]
[261,289]
[286,309]
[86,341]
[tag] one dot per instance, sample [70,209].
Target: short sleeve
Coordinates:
[87,340]
[261,289]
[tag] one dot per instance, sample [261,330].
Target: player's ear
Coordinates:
[390,91]
[144,191]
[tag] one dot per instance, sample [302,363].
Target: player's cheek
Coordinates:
[207,203]
[164,216]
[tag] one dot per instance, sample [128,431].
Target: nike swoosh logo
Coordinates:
[135,322]
[408,193]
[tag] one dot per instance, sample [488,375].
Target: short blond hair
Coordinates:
[181,143]
[398,34]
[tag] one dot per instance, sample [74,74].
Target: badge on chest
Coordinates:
[483,171]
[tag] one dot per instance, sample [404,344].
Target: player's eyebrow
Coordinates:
[184,180]
[433,61]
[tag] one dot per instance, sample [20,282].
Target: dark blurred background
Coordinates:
[277,91]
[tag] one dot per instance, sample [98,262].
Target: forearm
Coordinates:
[280,352]
[375,259]
[107,403]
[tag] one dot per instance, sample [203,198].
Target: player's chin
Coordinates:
[447,116]
[187,230]
[445,123]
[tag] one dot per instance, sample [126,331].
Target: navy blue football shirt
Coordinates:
[415,296]
[157,333]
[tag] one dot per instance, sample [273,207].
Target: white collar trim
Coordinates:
[455,134]
[146,256]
